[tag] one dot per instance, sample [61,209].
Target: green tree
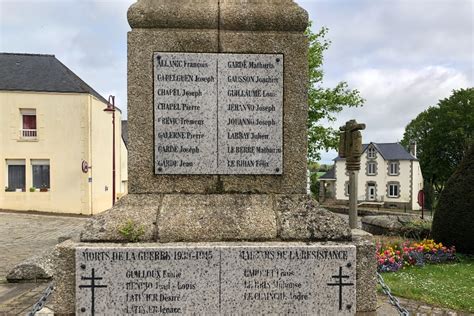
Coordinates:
[442,134]
[325,168]
[324,103]
[313,166]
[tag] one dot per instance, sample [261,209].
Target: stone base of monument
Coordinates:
[218,217]
[255,254]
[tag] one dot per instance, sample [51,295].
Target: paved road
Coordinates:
[22,236]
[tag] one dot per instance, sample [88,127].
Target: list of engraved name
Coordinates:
[177,281]
[218,113]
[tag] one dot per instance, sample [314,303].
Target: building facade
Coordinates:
[56,139]
[390,176]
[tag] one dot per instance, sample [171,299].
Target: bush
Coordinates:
[416,229]
[314,185]
[453,221]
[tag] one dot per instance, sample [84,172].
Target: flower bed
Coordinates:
[396,255]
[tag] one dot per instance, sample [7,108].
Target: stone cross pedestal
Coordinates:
[217,108]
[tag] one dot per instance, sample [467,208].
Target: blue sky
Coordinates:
[403,55]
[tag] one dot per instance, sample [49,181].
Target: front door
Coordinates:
[371,192]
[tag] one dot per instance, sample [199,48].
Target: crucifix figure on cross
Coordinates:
[91,286]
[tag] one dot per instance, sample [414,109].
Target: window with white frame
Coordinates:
[28,123]
[393,190]
[347,189]
[371,168]
[393,168]
[15,175]
[41,176]
[371,153]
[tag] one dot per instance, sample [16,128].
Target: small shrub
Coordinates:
[417,229]
[131,231]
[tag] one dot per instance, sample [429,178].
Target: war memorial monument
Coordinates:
[217,107]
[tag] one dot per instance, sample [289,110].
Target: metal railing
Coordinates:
[28,133]
[364,198]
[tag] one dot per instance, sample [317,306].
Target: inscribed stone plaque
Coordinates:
[250,113]
[185,87]
[218,113]
[217,279]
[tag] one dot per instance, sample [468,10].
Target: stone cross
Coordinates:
[350,147]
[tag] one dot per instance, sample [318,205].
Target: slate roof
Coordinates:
[328,175]
[389,151]
[42,73]
[125,132]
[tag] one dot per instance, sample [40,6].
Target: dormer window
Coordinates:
[371,154]
[28,123]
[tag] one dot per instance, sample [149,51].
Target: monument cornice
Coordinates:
[226,15]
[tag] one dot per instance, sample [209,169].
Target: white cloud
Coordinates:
[396,96]
[401,33]
[89,37]
[402,55]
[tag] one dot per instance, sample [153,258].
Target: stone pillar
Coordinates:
[353,188]
[322,191]
[211,26]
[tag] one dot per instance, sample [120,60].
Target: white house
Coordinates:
[389,176]
[56,140]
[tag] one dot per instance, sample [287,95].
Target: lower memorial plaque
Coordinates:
[216,279]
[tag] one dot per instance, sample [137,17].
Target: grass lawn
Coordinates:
[444,285]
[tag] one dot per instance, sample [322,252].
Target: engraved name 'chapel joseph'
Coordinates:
[218,113]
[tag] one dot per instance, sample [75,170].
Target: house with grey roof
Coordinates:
[390,176]
[56,139]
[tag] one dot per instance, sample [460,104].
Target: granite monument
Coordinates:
[217,107]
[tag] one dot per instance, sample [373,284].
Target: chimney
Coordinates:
[413,148]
